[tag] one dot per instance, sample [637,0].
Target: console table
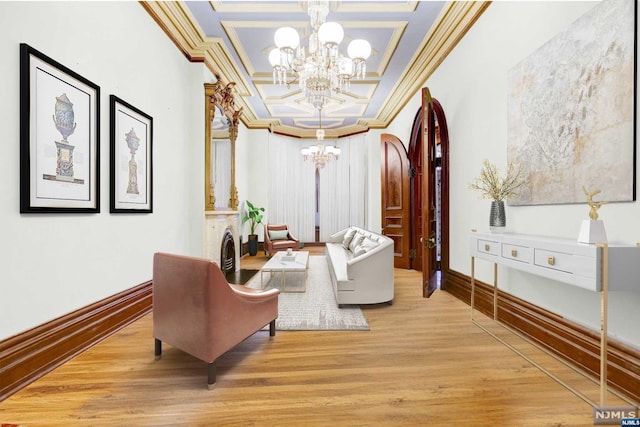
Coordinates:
[595,267]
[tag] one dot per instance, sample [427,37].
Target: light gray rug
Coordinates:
[315,309]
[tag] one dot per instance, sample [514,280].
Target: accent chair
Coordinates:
[197,311]
[277,237]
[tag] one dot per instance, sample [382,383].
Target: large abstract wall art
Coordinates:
[571,110]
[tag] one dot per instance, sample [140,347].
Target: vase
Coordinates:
[497,217]
[253,244]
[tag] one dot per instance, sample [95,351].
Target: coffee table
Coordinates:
[298,262]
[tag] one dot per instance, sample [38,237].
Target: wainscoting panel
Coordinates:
[567,340]
[30,355]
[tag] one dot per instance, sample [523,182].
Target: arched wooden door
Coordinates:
[435,194]
[396,197]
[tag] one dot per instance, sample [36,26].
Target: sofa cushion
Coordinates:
[355,242]
[278,234]
[338,257]
[348,236]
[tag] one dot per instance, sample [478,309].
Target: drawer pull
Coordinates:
[514,253]
[551,260]
[486,248]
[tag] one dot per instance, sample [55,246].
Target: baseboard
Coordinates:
[31,354]
[569,341]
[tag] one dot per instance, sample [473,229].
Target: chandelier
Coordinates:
[320,68]
[320,154]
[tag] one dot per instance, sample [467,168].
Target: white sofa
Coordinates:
[361,266]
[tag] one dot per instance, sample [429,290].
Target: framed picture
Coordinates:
[59,137]
[131,158]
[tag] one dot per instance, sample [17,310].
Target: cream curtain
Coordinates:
[341,187]
[291,189]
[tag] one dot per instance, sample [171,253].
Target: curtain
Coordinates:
[343,186]
[291,188]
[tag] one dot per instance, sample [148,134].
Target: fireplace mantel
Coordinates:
[216,223]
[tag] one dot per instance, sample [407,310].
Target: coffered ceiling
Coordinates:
[233,38]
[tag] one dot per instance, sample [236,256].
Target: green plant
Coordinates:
[254,216]
[492,185]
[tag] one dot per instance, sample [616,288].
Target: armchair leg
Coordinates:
[272,328]
[158,349]
[211,375]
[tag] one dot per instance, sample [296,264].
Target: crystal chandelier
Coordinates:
[320,154]
[320,68]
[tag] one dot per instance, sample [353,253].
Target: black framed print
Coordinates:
[59,137]
[131,158]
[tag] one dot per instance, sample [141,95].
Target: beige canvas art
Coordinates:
[571,111]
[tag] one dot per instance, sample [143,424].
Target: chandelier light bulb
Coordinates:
[330,33]
[359,49]
[286,38]
[274,57]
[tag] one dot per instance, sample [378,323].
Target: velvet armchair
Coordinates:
[197,311]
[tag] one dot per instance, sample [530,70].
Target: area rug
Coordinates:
[316,308]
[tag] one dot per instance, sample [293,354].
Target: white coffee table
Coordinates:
[280,262]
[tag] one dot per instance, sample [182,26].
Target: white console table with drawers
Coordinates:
[595,267]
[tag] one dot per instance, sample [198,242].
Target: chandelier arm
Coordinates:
[295,79]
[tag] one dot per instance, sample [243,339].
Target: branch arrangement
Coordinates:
[492,185]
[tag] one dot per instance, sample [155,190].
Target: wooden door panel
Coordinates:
[429,261]
[415,160]
[395,197]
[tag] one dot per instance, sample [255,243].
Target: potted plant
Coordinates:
[254,216]
[492,185]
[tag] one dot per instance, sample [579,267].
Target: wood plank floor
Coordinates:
[422,363]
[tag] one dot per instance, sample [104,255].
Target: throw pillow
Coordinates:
[278,234]
[355,242]
[369,244]
[347,237]
[364,247]
[360,250]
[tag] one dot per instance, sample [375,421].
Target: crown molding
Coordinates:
[452,24]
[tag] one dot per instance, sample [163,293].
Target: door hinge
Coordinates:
[412,172]
[413,253]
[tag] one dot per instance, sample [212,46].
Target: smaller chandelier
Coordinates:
[319,153]
[320,69]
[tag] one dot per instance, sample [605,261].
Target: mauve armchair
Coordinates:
[277,237]
[197,311]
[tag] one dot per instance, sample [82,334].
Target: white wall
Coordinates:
[52,264]
[471,85]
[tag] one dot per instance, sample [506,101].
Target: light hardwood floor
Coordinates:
[422,363]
